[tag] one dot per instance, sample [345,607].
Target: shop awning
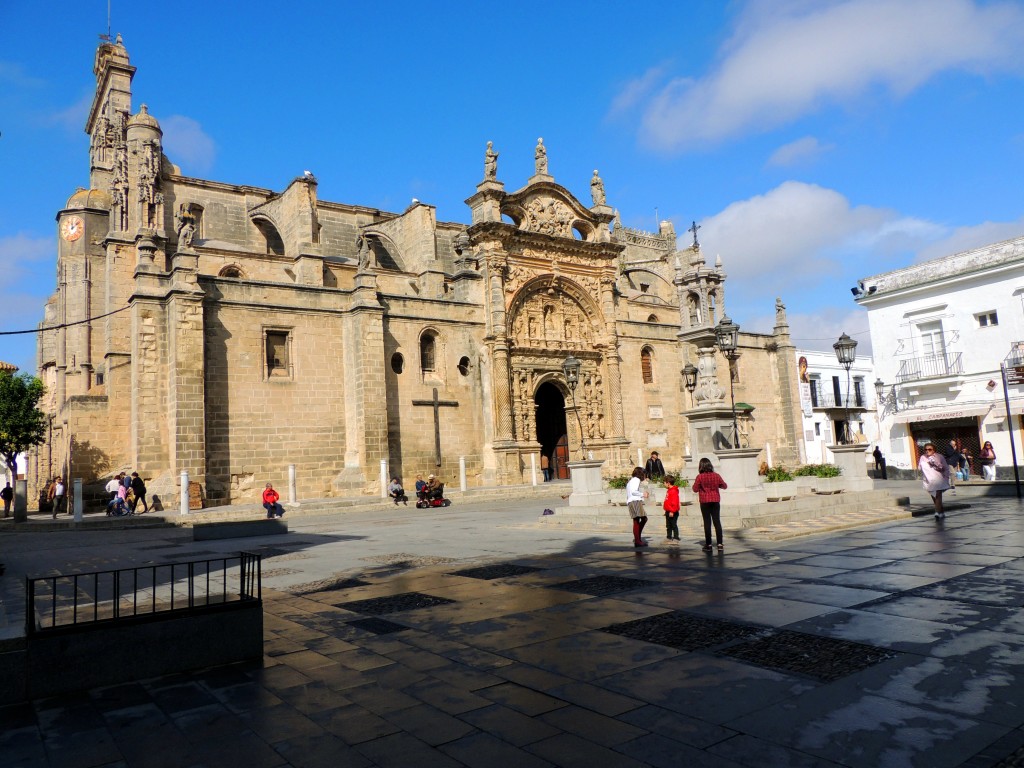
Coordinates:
[941,414]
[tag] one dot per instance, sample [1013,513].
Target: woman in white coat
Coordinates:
[635,501]
[935,476]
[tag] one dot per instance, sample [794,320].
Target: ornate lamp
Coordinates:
[727,335]
[690,379]
[571,370]
[884,398]
[846,353]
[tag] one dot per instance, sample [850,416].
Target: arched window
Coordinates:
[397,362]
[646,365]
[275,245]
[652,318]
[428,352]
[231,270]
[464,366]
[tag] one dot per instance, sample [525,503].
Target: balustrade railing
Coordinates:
[930,367]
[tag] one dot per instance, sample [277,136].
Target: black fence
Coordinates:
[63,601]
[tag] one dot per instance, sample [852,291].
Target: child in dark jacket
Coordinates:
[671,507]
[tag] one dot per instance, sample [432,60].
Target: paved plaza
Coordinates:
[471,636]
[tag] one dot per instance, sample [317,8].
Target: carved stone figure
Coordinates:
[540,158]
[365,254]
[490,162]
[597,189]
[549,217]
[780,312]
[185,224]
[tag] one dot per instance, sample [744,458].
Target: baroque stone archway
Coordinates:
[549,318]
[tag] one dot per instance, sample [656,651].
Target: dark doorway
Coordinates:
[551,427]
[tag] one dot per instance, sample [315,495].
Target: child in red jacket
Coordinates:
[671,507]
[270,498]
[706,486]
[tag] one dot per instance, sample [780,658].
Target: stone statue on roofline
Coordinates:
[490,162]
[540,158]
[186,226]
[597,189]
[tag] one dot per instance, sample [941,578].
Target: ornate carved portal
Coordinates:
[546,323]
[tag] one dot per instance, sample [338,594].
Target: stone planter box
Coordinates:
[787,489]
[805,483]
[829,485]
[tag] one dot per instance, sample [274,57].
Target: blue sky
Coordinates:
[815,142]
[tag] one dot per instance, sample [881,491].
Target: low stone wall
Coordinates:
[84,656]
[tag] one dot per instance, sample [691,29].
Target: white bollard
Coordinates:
[292,495]
[462,473]
[533,467]
[639,458]
[768,453]
[76,499]
[184,493]
[384,478]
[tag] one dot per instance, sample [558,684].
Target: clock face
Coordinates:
[71,228]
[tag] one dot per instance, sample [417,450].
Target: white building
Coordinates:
[824,396]
[940,331]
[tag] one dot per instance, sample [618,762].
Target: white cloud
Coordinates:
[789,235]
[789,59]
[73,117]
[799,152]
[968,238]
[15,74]
[187,145]
[636,91]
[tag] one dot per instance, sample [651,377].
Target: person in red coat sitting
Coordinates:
[270,499]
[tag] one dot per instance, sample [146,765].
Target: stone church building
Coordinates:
[230,331]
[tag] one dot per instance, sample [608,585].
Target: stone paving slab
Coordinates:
[892,645]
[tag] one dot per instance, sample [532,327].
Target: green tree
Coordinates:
[22,424]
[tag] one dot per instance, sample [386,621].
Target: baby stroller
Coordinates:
[432,498]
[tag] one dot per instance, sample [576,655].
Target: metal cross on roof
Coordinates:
[694,229]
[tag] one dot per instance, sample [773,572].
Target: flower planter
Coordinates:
[787,489]
[829,485]
[805,483]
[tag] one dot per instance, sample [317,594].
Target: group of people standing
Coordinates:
[707,486]
[126,493]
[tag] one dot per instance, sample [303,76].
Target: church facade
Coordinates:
[229,331]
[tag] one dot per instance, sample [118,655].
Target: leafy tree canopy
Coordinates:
[22,424]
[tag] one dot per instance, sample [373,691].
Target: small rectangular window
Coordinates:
[278,357]
[985,319]
[817,428]
[646,371]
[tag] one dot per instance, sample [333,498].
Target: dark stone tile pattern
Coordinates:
[602,586]
[407,601]
[496,571]
[377,626]
[683,631]
[823,658]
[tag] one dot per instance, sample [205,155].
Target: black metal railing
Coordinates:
[930,367]
[829,400]
[56,602]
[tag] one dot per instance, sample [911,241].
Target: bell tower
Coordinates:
[108,115]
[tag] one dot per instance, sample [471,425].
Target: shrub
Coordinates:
[777,475]
[681,482]
[619,481]
[818,470]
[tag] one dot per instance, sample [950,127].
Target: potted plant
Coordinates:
[820,478]
[779,484]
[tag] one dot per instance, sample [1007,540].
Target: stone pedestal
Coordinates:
[587,484]
[20,501]
[738,467]
[710,430]
[850,459]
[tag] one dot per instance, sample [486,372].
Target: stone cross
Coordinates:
[437,404]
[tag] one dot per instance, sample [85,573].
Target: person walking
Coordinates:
[879,462]
[7,495]
[707,486]
[635,503]
[671,507]
[270,499]
[935,477]
[59,497]
[545,466]
[139,493]
[987,458]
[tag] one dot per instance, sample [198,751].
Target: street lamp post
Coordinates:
[727,335]
[571,369]
[846,353]
[690,379]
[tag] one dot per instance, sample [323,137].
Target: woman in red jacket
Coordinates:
[706,486]
[270,497]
